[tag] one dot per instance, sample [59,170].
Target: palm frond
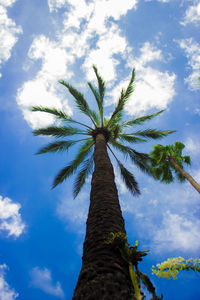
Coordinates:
[141,160]
[129,179]
[58,146]
[131,138]
[180,177]
[187,160]
[71,168]
[82,175]
[140,120]
[179,146]
[125,95]
[80,101]
[57,113]
[101,84]
[98,100]
[58,131]
[52,110]
[167,176]
[153,133]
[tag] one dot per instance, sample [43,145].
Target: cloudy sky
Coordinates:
[42,230]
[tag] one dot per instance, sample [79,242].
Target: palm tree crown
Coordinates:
[168,159]
[161,161]
[115,130]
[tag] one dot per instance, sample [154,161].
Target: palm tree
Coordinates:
[104,273]
[165,159]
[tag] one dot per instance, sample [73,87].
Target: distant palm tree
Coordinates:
[165,159]
[104,273]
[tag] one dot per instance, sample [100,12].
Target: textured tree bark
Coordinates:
[104,274]
[184,173]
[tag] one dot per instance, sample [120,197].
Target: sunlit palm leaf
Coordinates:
[131,138]
[140,120]
[153,133]
[125,95]
[58,146]
[141,160]
[80,101]
[58,131]
[129,179]
[98,100]
[101,84]
[57,113]
[82,176]
[71,168]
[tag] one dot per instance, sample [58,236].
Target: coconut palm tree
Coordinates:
[168,159]
[104,273]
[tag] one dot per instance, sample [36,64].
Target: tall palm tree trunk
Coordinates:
[104,274]
[184,173]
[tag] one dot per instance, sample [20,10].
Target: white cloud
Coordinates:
[6,293]
[7,2]
[153,88]
[74,212]
[166,216]
[55,4]
[192,51]
[42,90]
[87,31]
[41,278]
[178,232]
[192,146]
[192,15]
[109,44]
[10,218]
[8,33]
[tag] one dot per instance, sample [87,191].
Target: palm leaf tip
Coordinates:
[129,180]
[82,176]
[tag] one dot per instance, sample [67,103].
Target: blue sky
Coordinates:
[42,230]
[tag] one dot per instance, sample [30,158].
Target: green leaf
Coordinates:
[125,95]
[54,111]
[57,113]
[129,179]
[153,133]
[82,176]
[101,84]
[141,120]
[131,138]
[187,159]
[58,146]
[71,168]
[80,101]
[58,131]
[98,100]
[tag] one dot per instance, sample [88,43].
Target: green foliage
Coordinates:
[82,175]
[112,128]
[58,146]
[132,256]
[161,165]
[71,168]
[129,179]
[172,266]
[140,120]
[58,131]
[153,134]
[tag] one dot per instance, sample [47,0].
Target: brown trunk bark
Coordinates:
[104,274]
[184,173]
